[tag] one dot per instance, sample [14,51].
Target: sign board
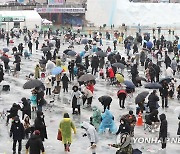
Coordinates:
[13,19]
[60,10]
[55,2]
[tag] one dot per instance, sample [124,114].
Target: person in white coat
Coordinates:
[76,99]
[48,84]
[169,72]
[92,135]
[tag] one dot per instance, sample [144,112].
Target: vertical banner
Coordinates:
[55,2]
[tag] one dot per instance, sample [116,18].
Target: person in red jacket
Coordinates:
[121,94]
[90,86]
[111,74]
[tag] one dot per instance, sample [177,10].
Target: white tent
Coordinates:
[25,18]
[46,22]
[118,12]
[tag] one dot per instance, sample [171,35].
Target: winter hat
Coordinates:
[16,118]
[37,132]
[131,112]
[66,115]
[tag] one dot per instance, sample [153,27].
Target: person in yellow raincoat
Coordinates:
[37,72]
[66,126]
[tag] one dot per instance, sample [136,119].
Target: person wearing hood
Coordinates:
[131,120]
[163,130]
[153,101]
[107,121]
[124,144]
[37,72]
[91,134]
[65,81]
[40,125]
[35,145]
[95,120]
[76,99]
[66,126]
[26,109]
[123,127]
[17,132]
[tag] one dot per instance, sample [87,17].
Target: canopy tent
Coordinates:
[26,18]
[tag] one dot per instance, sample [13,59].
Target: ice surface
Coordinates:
[80,144]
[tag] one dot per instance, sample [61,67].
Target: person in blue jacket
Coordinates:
[107,122]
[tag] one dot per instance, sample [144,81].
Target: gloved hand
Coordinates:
[84,135]
[10,135]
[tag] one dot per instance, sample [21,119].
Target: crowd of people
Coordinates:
[141,54]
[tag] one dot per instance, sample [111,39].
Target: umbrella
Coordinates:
[105,100]
[86,77]
[119,78]
[167,79]
[139,78]
[84,41]
[129,84]
[5,49]
[54,38]
[56,70]
[81,66]
[71,53]
[149,44]
[140,97]
[65,69]
[153,86]
[66,51]
[45,49]
[51,44]
[101,54]
[118,65]
[129,38]
[32,84]
[4,59]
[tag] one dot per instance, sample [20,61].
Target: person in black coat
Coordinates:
[153,101]
[17,131]
[48,56]
[134,73]
[26,109]
[94,65]
[157,70]
[163,130]
[167,61]
[30,46]
[13,112]
[71,70]
[39,124]
[35,144]
[152,72]
[123,127]
[164,94]
[40,98]
[1,73]
[65,81]
[105,101]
